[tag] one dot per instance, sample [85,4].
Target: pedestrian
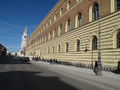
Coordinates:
[56,61]
[95,67]
[53,61]
[50,61]
[118,68]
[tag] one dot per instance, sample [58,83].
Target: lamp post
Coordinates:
[99,65]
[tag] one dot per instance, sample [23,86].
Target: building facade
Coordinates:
[70,32]
[3,50]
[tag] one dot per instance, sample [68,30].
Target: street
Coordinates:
[16,74]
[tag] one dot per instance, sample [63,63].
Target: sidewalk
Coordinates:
[108,78]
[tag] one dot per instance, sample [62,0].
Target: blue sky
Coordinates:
[15,14]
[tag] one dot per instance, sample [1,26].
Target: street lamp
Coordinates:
[99,65]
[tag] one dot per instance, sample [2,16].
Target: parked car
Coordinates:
[27,59]
[35,59]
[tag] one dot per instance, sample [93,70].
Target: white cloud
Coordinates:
[8,24]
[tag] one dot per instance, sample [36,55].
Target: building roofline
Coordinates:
[50,13]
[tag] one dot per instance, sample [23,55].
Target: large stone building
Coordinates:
[70,32]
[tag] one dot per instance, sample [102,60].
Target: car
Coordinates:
[35,59]
[27,59]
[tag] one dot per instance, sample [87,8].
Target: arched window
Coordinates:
[54,33]
[77,0]
[53,49]
[46,25]
[118,40]
[94,43]
[50,21]
[60,29]
[46,37]
[61,11]
[42,39]
[79,20]
[68,25]
[95,11]
[48,49]
[67,46]
[59,48]
[69,5]
[78,45]
[50,35]
[43,28]
[117,5]
[55,17]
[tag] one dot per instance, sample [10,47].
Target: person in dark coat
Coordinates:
[50,61]
[95,68]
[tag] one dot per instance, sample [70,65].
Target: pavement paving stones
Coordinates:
[108,78]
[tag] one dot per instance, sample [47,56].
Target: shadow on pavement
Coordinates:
[21,80]
[12,60]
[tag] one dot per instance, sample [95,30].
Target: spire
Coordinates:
[25,31]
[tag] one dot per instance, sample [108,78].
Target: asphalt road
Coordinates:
[20,75]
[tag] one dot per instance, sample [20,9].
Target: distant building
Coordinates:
[23,43]
[70,32]
[12,53]
[3,50]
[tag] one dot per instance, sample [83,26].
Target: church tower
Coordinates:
[23,43]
